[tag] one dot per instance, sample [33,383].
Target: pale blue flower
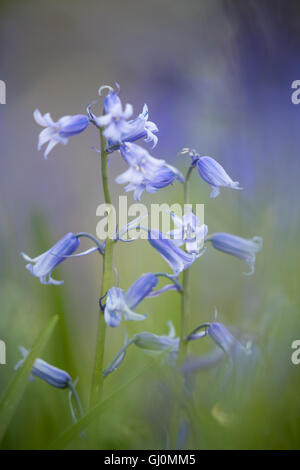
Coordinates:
[176,258]
[43,265]
[236,361]
[157,343]
[219,334]
[189,232]
[59,131]
[115,118]
[244,360]
[138,128]
[242,248]
[140,289]
[145,173]
[151,343]
[120,304]
[207,361]
[214,174]
[223,338]
[55,377]
[52,375]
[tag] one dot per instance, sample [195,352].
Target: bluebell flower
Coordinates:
[242,248]
[145,173]
[140,289]
[115,118]
[207,361]
[219,334]
[214,174]
[176,258]
[189,232]
[43,265]
[59,131]
[151,343]
[56,378]
[138,128]
[120,304]
[244,360]
[223,338]
[52,375]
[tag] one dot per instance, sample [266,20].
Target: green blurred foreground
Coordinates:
[261,411]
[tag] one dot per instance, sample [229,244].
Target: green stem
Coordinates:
[185,311]
[97,380]
[185,297]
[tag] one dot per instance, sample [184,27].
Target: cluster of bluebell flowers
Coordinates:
[180,248]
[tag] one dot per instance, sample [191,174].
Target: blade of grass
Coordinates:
[84,422]
[15,390]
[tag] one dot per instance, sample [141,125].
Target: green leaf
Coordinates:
[84,422]
[15,390]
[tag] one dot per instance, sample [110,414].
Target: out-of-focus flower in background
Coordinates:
[242,248]
[223,338]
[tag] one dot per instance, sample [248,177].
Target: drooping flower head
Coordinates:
[242,248]
[176,258]
[223,338]
[43,265]
[115,118]
[189,232]
[120,304]
[152,342]
[52,375]
[215,175]
[55,377]
[156,344]
[211,172]
[219,334]
[145,173]
[59,131]
[149,342]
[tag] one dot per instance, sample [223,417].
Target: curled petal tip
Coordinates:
[104,87]
[88,109]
